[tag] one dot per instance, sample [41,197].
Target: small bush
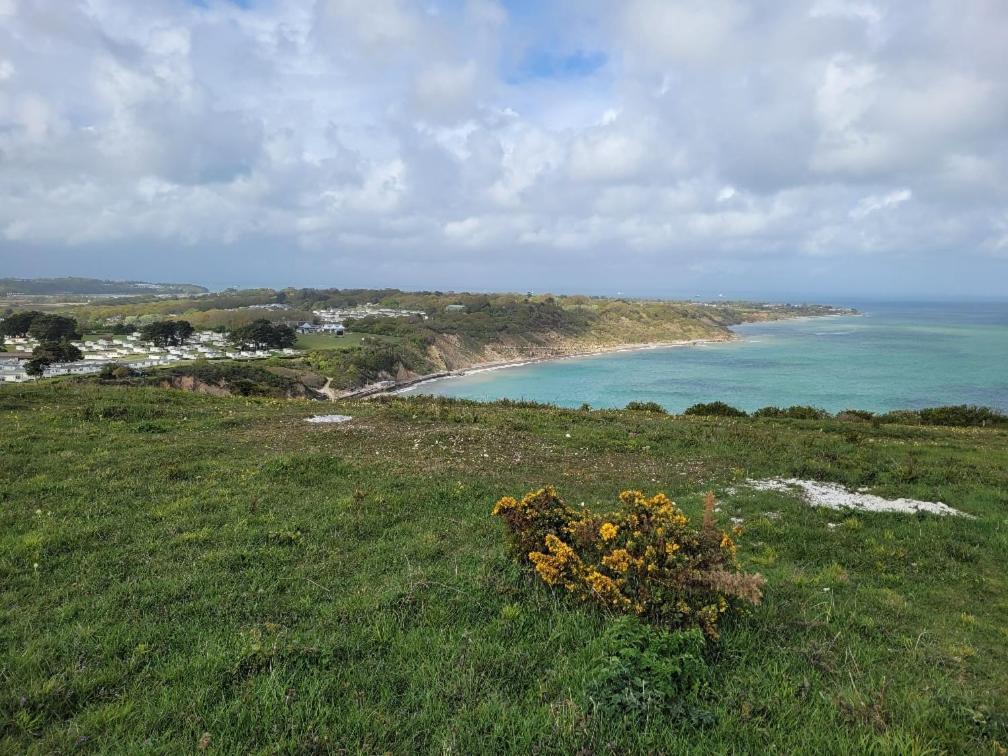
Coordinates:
[855,414]
[715,409]
[795,412]
[113,372]
[647,407]
[900,417]
[645,671]
[963,415]
[644,559]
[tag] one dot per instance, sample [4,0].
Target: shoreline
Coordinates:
[367,392]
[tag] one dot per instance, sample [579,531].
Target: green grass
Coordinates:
[217,565]
[325,341]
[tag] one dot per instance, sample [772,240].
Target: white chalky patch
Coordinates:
[835,496]
[329,419]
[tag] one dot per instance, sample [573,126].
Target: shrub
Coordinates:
[643,670]
[795,412]
[717,409]
[855,414]
[644,559]
[115,371]
[647,407]
[963,415]
[900,417]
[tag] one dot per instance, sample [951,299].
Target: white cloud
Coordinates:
[665,33]
[876,202]
[444,91]
[570,135]
[863,11]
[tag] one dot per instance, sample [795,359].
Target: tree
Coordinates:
[18,323]
[46,327]
[36,367]
[164,333]
[57,351]
[183,331]
[121,329]
[262,334]
[48,352]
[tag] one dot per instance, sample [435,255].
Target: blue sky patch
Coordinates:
[543,64]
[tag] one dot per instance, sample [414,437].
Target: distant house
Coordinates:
[455,308]
[335,329]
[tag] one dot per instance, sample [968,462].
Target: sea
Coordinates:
[890,356]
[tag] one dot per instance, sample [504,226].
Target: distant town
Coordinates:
[136,352]
[128,349]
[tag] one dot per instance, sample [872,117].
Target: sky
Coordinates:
[826,148]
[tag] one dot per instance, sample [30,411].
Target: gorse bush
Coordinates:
[855,414]
[644,671]
[644,559]
[646,407]
[795,412]
[962,415]
[715,409]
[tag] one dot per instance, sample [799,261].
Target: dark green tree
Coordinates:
[183,331]
[57,351]
[46,327]
[36,367]
[262,334]
[164,333]
[18,323]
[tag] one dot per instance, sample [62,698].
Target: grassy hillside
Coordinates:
[180,571]
[92,287]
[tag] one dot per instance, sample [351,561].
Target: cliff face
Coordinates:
[189,383]
[248,382]
[451,352]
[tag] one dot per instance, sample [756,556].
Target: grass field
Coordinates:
[180,571]
[324,341]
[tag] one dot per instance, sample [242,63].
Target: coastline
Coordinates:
[403,387]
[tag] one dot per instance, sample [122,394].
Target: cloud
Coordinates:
[444,91]
[874,203]
[487,142]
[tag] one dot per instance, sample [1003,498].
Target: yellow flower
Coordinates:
[608,531]
[619,560]
[546,566]
[503,505]
[558,548]
[671,548]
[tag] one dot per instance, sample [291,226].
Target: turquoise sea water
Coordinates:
[894,356]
